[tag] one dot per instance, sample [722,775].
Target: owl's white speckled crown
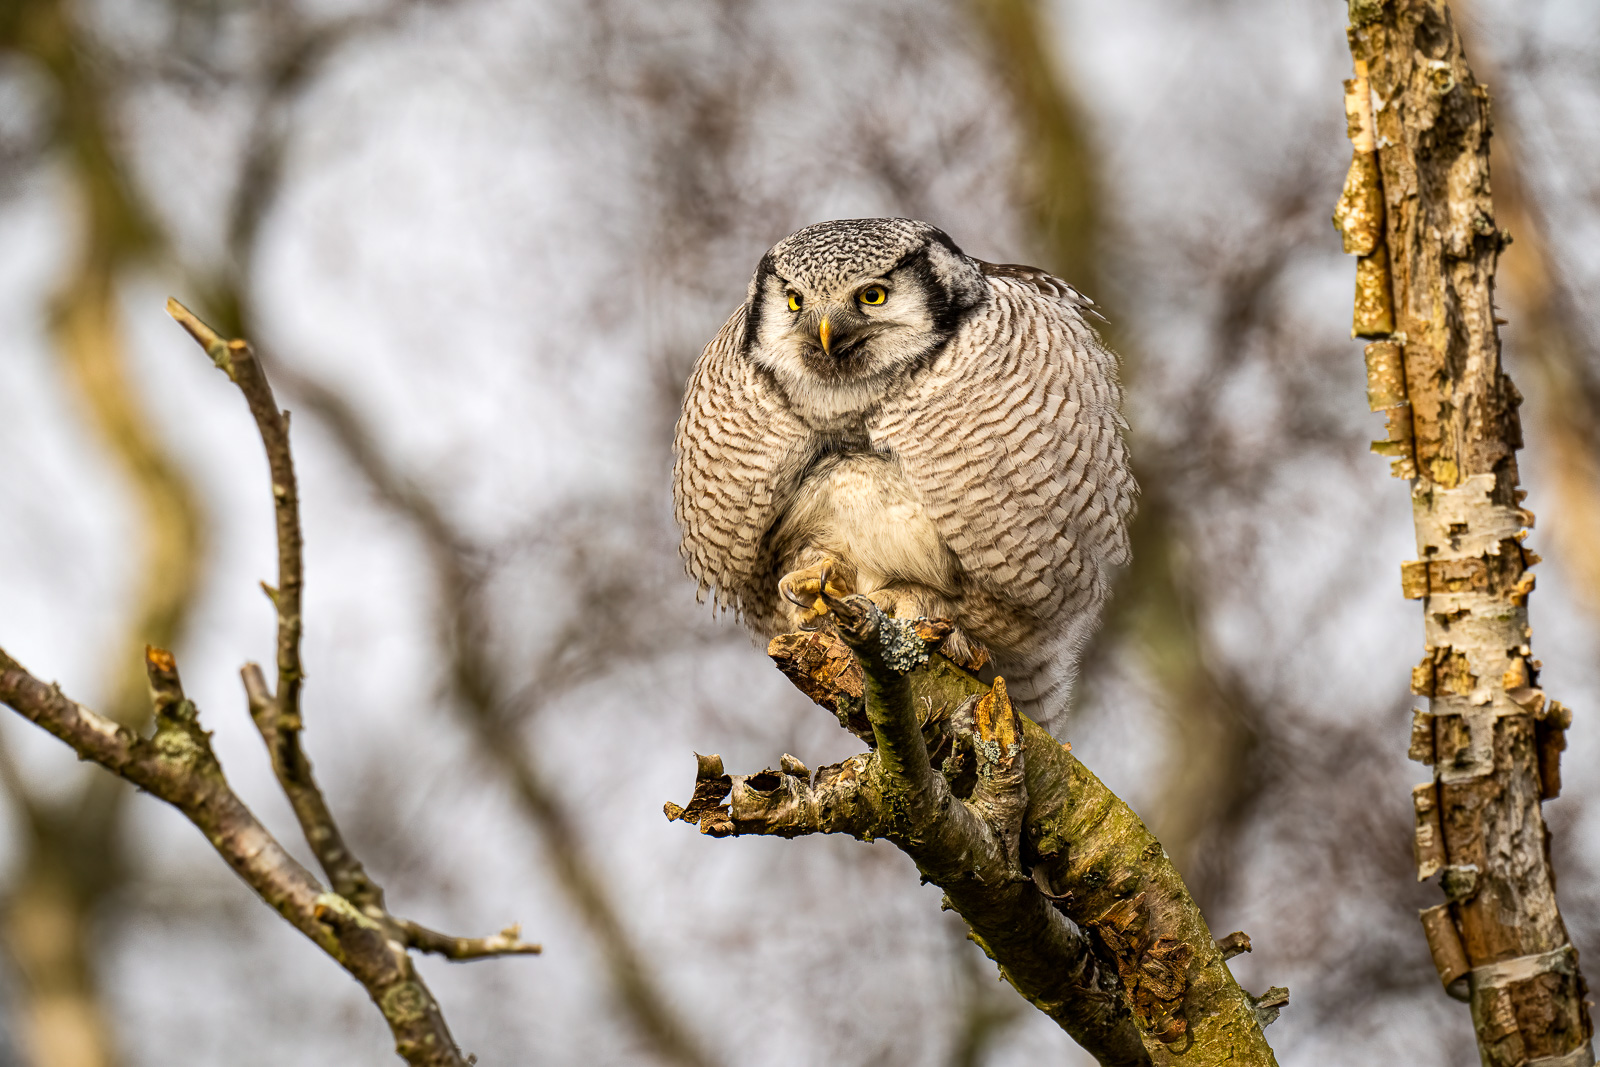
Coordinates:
[829,254]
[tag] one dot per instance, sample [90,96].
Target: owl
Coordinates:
[888,416]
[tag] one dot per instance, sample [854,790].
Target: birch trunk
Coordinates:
[1416,209]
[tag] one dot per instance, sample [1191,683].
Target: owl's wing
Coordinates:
[738,451]
[1012,439]
[1043,281]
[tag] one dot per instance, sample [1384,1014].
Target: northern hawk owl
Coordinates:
[886,415]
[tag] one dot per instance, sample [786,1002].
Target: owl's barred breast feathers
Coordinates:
[986,389]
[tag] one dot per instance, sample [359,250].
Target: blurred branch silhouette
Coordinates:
[75,854]
[176,764]
[1215,726]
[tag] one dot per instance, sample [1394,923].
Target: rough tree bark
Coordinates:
[349,921]
[1060,882]
[1549,340]
[1416,209]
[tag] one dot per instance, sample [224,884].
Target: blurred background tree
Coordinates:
[520,223]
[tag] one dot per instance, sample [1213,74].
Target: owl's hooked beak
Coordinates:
[837,332]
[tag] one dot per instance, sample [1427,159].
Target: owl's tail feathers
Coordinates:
[1041,679]
[1047,700]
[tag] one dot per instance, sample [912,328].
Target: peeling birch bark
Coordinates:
[1060,882]
[1492,735]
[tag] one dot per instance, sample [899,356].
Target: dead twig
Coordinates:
[507,942]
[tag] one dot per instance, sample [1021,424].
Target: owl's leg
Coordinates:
[807,590]
[910,601]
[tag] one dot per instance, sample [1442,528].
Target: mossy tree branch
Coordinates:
[1059,881]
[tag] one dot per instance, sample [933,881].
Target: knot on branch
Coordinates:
[334,911]
[1234,944]
[166,688]
[1269,1005]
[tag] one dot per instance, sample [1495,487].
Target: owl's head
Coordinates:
[840,306]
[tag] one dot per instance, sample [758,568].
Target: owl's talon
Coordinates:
[815,589]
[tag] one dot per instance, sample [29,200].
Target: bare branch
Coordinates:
[507,942]
[237,360]
[475,681]
[178,766]
[485,699]
[92,736]
[277,717]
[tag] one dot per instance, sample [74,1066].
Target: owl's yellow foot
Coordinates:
[811,589]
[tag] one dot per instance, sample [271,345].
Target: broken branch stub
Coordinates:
[1493,738]
[1019,835]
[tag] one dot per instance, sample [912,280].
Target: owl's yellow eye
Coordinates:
[872,294]
[795,301]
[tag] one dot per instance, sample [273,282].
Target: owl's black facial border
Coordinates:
[756,304]
[948,305]
[952,285]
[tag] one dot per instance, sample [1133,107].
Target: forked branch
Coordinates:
[177,764]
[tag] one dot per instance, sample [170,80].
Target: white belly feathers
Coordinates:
[859,508]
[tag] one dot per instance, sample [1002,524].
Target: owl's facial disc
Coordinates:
[839,311]
[847,333]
